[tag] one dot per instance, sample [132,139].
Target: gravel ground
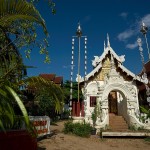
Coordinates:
[60,141]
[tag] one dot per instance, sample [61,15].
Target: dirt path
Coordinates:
[60,141]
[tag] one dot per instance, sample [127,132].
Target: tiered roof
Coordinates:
[97,63]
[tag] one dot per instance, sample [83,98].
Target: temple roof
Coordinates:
[97,63]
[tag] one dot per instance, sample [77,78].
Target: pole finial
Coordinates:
[144,28]
[79,30]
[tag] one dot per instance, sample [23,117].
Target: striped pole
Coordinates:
[72,67]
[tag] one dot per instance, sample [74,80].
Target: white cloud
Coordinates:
[124,15]
[132,46]
[125,35]
[133,30]
[146,20]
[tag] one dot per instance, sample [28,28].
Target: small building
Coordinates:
[52,77]
[112,88]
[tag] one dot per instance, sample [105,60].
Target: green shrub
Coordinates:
[133,128]
[68,127]
[79,129]
[83,130]
[147,139]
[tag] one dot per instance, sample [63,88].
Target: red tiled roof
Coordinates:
[48,76]
[52,77]
[58,80]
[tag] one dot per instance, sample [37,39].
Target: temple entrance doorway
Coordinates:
[112,99]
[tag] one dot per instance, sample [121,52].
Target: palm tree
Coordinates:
[13,11]
[45,91]
[17,20]
[9,87]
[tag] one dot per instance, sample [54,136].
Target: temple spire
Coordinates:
[104,45]
[108,43]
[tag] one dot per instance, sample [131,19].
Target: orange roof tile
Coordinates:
[52,77]
[58,80]
[48,76]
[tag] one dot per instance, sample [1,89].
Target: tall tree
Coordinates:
[48,94]
[66,89]
[18,22]
[17,29]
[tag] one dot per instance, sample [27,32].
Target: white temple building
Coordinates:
[112,88]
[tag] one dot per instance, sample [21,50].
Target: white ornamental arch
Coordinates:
[121,88]
[92,87]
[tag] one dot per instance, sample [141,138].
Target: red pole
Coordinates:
[78,109]
[82,109]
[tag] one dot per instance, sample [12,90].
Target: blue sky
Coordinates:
[121,19]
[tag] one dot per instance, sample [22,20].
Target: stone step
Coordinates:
[117,123]
[119,117]
[124,125]
[117,120]
[125,134]
[118,127]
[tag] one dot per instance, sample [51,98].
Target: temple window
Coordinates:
[92,101]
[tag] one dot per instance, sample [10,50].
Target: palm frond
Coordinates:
[54,91]
[14,10]
[20,104]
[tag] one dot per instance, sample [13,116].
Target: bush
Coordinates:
[79,129]
[65,114]
[68,127]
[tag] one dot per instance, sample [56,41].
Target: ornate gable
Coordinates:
[105,69]
[102,65]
